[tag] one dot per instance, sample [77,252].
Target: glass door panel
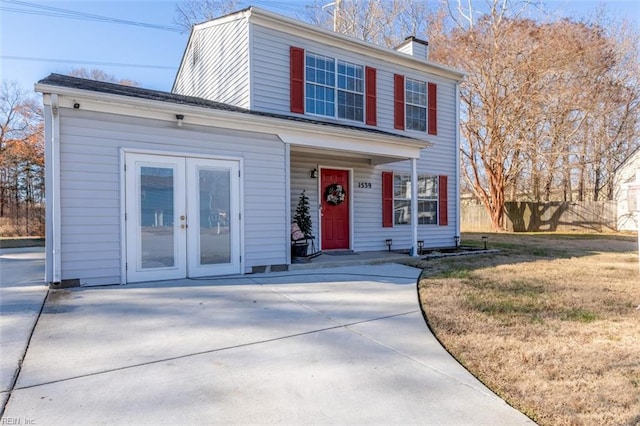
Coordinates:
[157,246]
[215,203]
[214,232]
[155,219]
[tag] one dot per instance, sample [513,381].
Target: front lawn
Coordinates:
[551,323]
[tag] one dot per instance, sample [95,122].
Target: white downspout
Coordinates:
[54,191]
[414,207]
[458,174]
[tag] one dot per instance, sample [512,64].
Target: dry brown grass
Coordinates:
[10,228]
[551,323]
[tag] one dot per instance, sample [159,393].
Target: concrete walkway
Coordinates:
[340,346]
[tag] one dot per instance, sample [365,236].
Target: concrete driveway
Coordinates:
[22,293]
[339,346]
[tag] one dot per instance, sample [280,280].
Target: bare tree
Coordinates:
[548,109]
[192,12]
[21,162]
[101,75]
[382,22]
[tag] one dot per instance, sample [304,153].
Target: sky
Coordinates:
[35,40]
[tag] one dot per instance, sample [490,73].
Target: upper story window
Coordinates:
[323,90]
[416,105]
[350,91]
[320,84]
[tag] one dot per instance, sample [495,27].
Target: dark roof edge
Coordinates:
[415,40]
[626,160]
[60,80]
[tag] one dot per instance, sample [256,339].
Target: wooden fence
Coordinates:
[524,216]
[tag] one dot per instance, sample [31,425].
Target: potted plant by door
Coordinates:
[301,228]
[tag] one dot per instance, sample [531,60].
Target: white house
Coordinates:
[145,185]
[626,200]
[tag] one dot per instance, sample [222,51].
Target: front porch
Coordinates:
[338,259]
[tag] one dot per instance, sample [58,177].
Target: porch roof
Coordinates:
[377,145]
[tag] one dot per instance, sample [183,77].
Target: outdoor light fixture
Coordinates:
[420,246]
[484,242]
[314,173]
[388,243]
[456,240]
[179,117]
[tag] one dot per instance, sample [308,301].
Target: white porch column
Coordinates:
[287,202]
[414,207]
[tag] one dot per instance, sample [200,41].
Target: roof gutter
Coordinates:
[197,115]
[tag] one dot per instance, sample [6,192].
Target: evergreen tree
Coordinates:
[302,216]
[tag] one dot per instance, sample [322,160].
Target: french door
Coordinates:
[182,217]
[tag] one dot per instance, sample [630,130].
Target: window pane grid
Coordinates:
[327,79]
[350,91]
[320,77]
[416,104]
[427,199]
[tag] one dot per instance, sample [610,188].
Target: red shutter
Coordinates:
[387,199]
[433,108]
[296,60]
[372,113]
[398,101]
[443,208]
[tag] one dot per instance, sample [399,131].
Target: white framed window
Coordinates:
[427,199]
[320,84]
[416,105]
[329,82]
[350,91]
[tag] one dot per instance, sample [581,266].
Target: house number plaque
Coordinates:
[366,185]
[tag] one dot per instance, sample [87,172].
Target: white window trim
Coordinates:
[335,88]
[424,107]
[436,198]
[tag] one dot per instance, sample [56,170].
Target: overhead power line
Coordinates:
[73,61]
[45,10]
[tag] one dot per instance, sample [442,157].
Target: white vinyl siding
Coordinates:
[270,81]
[246,64]
[90,187]
[216,64]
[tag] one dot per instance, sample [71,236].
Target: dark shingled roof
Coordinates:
[156,95]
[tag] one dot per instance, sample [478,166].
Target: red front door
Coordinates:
[334,192]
